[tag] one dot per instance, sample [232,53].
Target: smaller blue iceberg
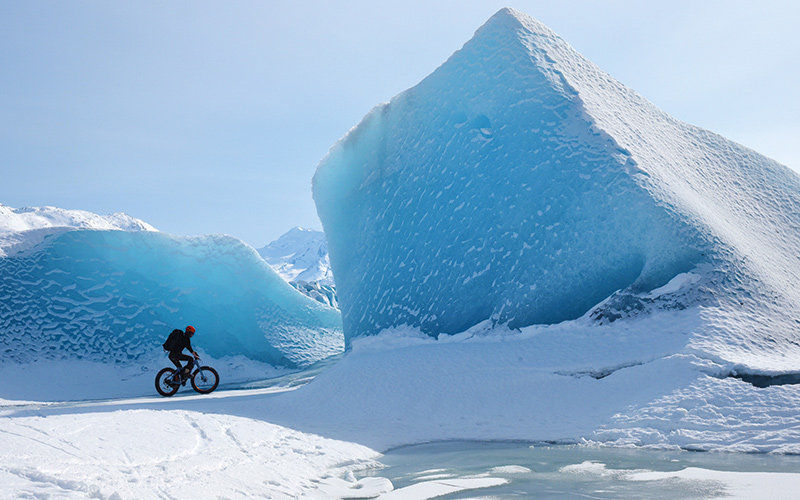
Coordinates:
[114,296]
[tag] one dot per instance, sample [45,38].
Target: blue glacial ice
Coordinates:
[520,183]
[115,295]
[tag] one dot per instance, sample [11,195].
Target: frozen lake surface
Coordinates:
[466,470]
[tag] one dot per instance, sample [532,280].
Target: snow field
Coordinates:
[629,383]
[75,380]
[624,384]
[147,454]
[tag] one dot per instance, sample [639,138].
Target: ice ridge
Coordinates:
[113,296]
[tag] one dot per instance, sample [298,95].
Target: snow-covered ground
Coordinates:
[627,386]
[153,451]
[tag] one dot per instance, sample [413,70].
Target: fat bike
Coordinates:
[204,379]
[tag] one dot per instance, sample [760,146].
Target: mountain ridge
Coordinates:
[29,218]
[300,256]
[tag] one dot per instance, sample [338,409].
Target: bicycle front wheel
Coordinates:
[205,380]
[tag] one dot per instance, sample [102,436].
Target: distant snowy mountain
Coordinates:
[300,255]
[301,258]
[28,218]
[24,228]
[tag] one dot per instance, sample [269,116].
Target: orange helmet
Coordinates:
[190,329]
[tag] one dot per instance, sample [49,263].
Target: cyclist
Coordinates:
[181,341]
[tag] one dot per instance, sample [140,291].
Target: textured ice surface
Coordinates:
[116,295]
[519,182]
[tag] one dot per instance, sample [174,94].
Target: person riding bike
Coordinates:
[181,342]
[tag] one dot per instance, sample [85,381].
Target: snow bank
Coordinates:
[631,383]
[148,454]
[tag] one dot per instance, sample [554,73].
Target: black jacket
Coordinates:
[183,342]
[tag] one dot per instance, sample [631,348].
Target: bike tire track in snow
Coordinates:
[154,454]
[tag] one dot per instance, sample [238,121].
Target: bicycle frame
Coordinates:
[197,364]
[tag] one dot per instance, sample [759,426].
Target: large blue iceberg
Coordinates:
[116,295]
[521,184]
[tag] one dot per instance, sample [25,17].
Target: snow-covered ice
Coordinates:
[541,470]
[625,383]
[399,388]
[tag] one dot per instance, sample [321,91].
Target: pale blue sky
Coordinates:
[210,117]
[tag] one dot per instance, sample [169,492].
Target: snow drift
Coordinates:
[522,184]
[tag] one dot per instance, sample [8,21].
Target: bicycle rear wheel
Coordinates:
[164,384]
[205,380]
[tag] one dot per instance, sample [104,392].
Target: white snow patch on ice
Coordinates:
[675,284]
[738,485]
[510,469]
[433,489]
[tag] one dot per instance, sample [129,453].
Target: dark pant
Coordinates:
[177,357]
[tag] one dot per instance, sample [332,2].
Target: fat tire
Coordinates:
[162,386]
[210,372]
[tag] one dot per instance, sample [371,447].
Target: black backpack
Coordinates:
[173,340]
